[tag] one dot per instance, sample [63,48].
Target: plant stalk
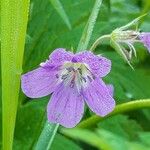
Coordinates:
[121,108]
[98,41]
[14,16]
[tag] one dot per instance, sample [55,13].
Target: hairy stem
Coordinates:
[98,41]
[121,108]
[88,30]
[47,136]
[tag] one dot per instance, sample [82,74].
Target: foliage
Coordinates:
[47,30]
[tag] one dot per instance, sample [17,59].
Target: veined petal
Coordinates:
[57,58]
[39,82]
[145,38]
[110,88]
[60,55]
[98,98]
[66,106]
[100,66]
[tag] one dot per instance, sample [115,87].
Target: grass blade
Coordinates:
[87,33]
[59,8]
[14,16]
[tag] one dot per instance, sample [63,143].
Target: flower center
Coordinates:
[75,75]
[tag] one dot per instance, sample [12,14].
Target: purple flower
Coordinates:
[145,39]
[73,79]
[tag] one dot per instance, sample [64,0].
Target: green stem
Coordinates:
[87,33]
[121,108]
[46,138]
[98,41]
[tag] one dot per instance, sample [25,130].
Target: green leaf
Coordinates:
[128,84]
[144,138]
[59,8]
[87,136]
[120,143]
[103,139]
[29,123]
[63,143]
[14,16]
[30,126]
[122,126]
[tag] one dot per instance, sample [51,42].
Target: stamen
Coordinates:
[70,69]
[64,76]
[90,79]
[83,79]
[76,74]
[57,76]
[72,84]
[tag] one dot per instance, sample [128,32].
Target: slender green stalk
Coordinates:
[46,138]
[87,33]
[98,41]
[122,108]
[14,16]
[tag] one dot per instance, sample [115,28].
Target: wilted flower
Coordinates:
[73,79]
[124,36]
[123,39]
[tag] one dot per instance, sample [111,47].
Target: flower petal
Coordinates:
[110,89]
[57,57]
[39,82]
[66,106]
[145,38]
[100,66]
[98,98]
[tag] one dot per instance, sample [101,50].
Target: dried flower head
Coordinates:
[123,39]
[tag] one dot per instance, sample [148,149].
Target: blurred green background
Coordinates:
[47,31]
